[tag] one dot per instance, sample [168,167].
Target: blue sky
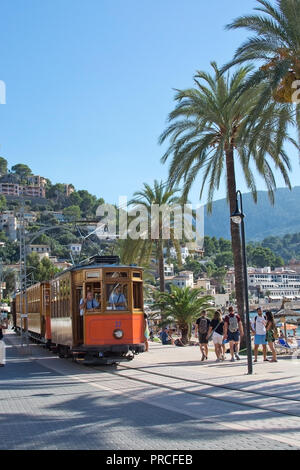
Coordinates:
[90,84]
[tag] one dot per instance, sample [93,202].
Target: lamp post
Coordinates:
[238,218]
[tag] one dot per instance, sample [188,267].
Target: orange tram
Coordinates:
[108,330]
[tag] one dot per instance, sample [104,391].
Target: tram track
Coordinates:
[210,384]
[204,394]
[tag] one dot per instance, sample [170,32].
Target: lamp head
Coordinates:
[237,215]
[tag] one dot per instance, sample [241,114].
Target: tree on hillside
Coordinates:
[9,277]
[72,213]
[89,203]
[23,171]
[211,246]
[40,270]
[219,275]
[260,257]
[3,166]
[224,259]
[3,202]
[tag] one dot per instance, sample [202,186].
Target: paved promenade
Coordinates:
[163,400]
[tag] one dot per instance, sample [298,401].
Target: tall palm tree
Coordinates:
[142,249]
[208,136]
[182,306]
[275,48]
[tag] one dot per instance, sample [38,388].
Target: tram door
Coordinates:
[78,317]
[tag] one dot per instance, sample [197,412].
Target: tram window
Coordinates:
[116,274]
[117,296]
[95,288]
[137,295]
[137,275]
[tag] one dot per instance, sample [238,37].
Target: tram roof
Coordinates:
[98,266]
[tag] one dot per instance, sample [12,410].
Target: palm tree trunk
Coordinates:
[185,334]
[235,236]
[161,267]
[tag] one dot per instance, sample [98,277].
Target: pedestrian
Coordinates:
[271,334]
[216,331]
[146,332]
[3,326]
[259,330]
[233,331]
[223,342]
[202,327]
[165,338]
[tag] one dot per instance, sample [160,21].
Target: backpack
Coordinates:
[233,324]
[203,326]
[256,319]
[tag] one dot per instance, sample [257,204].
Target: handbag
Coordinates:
[211,335]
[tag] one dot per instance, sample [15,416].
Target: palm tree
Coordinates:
[142,249]
[182,306]
[208,134]
[275,46]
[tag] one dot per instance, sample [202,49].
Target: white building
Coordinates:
[184,253]
[281,282]
[43,251]
[75,248]
[169,270]
[184,279]
[8,224]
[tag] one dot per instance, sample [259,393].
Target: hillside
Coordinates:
[262,219]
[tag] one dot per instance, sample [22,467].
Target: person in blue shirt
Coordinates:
[117,299]
[89,303]
[165,338]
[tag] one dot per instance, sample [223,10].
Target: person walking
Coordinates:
[271,334]
[215,331]
[202,327]
[259,330]
[233,331]
[146,332]
[3,326]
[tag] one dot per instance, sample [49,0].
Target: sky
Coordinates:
[89,85]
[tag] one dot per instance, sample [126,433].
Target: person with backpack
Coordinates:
[202,327]
[271,334]
[259,330]
[215,332]
[233,331]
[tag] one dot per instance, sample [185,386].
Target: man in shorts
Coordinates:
[202,327]
[259,330]
[233,330]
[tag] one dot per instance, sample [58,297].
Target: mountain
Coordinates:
[262,219]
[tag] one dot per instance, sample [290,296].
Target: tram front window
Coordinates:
[117,296]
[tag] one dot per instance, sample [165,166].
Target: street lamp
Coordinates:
[238,218]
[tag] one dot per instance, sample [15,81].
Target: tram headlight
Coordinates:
[118,334]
